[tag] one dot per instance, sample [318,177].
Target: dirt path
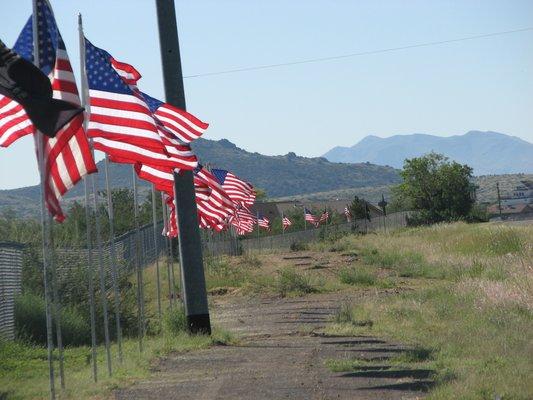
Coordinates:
[280,357]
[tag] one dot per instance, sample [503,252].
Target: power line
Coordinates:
[363,53]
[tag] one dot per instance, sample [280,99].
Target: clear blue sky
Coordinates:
[483,84]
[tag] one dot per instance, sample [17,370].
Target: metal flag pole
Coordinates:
[305,220]
[257,219]
[167,248]
[113,254]
[39,140]
[101,274]
[156,250]
[90,274]
[140,290]
[90,278]
[282,225]
[56,303]
[192,269]
[101,271]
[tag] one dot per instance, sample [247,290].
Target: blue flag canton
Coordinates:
[153,104]
[307,211]
[220,174]
[100,73]
[49,38]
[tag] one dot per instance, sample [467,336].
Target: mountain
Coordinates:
[486,152]
[285,175]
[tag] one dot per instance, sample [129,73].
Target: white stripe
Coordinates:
[73,98]
[63,75]
[157,173]
[126,98]
[131,148]
[123,130]
[63,171]
[78,157]
[113,112]
[182,118]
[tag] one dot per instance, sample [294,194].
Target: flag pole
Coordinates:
[257,219]
[140,289]
[90,278]
[56,304]
[282,225]
[193,284]
[39,140]
[101,271]
[90,275]
[113,254]
[167,248]
[156,250]
[305,220]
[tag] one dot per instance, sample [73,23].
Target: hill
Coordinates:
[486,152]
[279,175]
[486,192]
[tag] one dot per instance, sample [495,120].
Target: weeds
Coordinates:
[291,282]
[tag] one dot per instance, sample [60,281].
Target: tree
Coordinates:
[440,189]
[358,208]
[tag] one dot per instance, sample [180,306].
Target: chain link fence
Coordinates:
[10,286]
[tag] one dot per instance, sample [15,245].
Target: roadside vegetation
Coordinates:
[465,305]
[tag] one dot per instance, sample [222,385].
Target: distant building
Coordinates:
[523,194]
[518,206]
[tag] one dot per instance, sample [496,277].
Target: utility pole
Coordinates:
[192,268]
[499,198]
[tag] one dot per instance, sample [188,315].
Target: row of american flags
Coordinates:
[130,127]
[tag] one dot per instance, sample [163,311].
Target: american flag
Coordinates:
[309,217]
[68,156]
[263,221]
[324,217]
[348,214]
[214,206]
[243,220]
[239,191]
[121,123]
[286,222]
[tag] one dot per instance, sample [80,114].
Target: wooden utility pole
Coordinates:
[192,268]
[499,198]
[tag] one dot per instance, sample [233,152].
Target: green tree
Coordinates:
[358,208]
[439,189]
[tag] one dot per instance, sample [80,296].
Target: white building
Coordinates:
[523,194]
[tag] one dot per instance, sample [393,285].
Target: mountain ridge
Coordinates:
[282,175]
[487,152]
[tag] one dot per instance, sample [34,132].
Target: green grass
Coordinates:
[290,282]
[24,368]
[469,318]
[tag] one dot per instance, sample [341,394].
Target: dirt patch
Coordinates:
[281,354]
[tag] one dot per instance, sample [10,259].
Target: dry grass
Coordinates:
[473,310]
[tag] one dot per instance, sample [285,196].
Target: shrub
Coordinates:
[299,246]
[357,276]
[30,322]
[289,281]
[175,321]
